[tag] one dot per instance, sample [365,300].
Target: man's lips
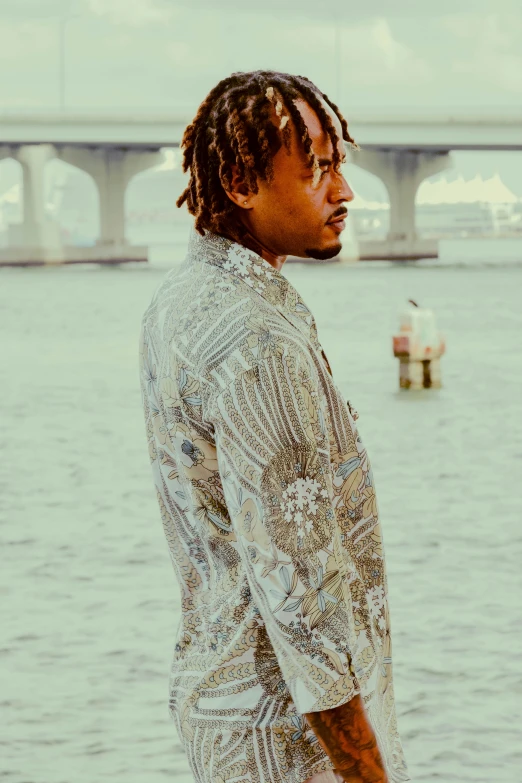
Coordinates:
[337,226]
[337,223]
[338,219]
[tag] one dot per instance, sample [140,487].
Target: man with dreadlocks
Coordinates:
[282,669]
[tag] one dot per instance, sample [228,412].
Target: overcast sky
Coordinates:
[168,53]
[454,55]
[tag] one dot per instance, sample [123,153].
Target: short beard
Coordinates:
[324,255]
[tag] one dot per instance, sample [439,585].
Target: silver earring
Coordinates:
[244,202]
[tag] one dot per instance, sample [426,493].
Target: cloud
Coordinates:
[133,12]
[32,9]
[373,57]
[370,54]
[488,50]
[144,11]
[395,55]
[385,61]
[38,37]
[334,11]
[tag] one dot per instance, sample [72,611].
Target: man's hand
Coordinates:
[347,737]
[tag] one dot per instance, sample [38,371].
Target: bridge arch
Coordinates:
[402,171]
[26,221]
[72,201]
[111,168]
[151,214]
[11,194]
[370,210]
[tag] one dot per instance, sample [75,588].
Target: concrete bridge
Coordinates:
[401,150]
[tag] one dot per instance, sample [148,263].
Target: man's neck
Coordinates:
[253,244]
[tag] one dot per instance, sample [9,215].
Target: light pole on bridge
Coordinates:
[338,64]
[64,18]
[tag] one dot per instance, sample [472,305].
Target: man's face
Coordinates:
[290,215]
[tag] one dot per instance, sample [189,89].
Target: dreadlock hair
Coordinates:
[234,125]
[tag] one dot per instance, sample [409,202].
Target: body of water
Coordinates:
[90,605]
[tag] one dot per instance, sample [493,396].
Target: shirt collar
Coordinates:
[256,272]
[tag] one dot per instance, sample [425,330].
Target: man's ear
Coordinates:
[238,192]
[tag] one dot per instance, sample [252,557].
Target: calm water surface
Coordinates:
[90,604]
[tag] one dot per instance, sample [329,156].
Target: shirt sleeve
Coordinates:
[273,455]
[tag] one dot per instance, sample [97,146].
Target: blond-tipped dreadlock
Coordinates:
[234,125]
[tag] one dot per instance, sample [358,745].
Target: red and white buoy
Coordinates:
[418,346]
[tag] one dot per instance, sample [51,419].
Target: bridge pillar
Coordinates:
[7,151]
[111,169]
[36,229]
[37,239]
[402,171]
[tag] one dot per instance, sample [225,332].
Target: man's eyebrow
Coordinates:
[329,161]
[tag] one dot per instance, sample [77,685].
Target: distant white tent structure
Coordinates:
[169,161]
[477,190]
[500,193]
[11,196]
[492,191]
[361,203]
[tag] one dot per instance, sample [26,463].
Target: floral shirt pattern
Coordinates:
[268,504]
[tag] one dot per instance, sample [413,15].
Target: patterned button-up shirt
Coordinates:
[268,505]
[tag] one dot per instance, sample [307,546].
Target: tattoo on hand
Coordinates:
[347,736]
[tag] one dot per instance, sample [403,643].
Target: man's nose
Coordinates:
[342,191]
